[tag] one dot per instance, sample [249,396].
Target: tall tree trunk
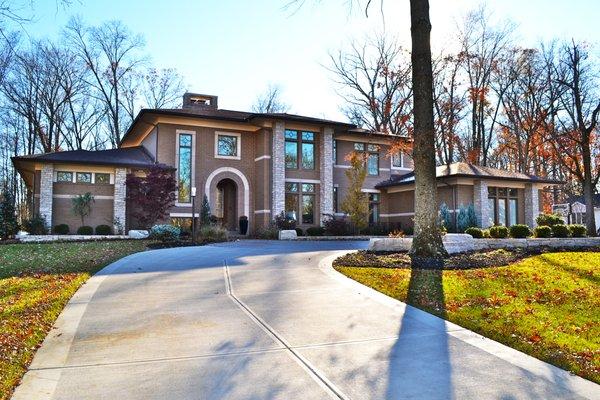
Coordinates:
[427,248]
[588,188]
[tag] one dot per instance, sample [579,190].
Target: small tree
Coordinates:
[355,203]
[8,218]
[150,196]
[82,206]
[445,219]
[466,218]
[205,211]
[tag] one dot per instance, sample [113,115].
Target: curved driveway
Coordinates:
[268,320]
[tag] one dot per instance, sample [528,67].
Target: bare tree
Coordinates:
[111,53]
[375,83]
[162,88]
[270,101]
[577,86]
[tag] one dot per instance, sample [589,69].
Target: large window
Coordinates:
[227,145]
[372,154]
[373,208]
[503,206]
[184,170]
[299,150]
[300,201]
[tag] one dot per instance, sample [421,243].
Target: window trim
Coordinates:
[238,145]
[179,132]
[299,142]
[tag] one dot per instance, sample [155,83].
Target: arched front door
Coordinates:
[226,206]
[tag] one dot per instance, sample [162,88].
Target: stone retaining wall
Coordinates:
[460,243]
[69,238]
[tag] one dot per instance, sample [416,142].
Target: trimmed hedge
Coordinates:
[61,229]
[549,219]
[475,232]
[499,232]
[103,230]
[85,230]
[578,230]
[520,231]
[299,232]
[560,231]
[315,231]
[543,231]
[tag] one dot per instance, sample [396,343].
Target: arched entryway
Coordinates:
[217,184]
[226,203]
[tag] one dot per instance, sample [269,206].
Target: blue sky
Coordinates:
[234,49]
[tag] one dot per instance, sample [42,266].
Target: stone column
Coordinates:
[46,193]
[481,204]
[532,204]
[278,172]
[326,170]
[119,201]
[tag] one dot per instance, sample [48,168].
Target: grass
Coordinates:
[36,282]
[547,306]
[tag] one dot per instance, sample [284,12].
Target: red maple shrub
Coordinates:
[150,196]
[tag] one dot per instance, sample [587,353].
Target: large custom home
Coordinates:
[261,164]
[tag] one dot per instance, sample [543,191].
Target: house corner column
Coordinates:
[532,204]
[120,201]
[481,204]
[326,154]
[278,172]
[46,193]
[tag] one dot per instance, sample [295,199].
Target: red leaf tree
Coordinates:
[151,195]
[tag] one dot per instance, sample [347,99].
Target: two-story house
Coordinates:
[259,165]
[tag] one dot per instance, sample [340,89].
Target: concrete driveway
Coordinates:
[268,320]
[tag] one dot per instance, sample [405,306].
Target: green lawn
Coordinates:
[547,305]
[36,281]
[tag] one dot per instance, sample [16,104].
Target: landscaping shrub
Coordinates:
[337,226]
[542,231]
[499,232]
[466,218]
[165,233]
[299,232]
[445,217]
[578,230]
[61,229]
[378,229]
[560,230]
[315,231]
[282,221]
[269,233]
[549,219]
[486,233]
[520,231]
[475,232]
[85,230]
[36,225]
[8,216]
[103,230]
[212,234]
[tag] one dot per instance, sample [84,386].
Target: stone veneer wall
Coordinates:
[46,193]
[119,200]
[278,165]
[532,205]
[480,203]
[326,186]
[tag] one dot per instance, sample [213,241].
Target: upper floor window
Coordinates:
[84,177]
[372,154]
[184,167]
[397,160]
[227,145]
[334,151]
[299,150]
[64,176]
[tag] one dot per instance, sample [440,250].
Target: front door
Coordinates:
[228,194]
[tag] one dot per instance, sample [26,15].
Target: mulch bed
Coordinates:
[470,260]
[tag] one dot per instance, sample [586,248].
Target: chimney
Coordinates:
[196,100]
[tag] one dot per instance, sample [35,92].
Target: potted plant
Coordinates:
[243,225]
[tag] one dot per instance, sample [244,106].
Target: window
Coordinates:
[102,178]
[300,200]
[184,170]
[373,208]
[503,206]
[299,147]
[372,154]
[335,199]
[227,145]
[63,176]
[397,160]
[334,151]
[84,177]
